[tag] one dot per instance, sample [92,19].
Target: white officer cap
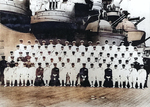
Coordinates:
[81,41]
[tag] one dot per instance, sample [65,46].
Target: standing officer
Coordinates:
[50,46]
[32,74]
[3,65]
[7,75]
[46,74]
[99,75]
[142,76]
[39,76]
[116,74]
[133,76]
[63,73]
[81,47]
[73,74]
[92,75]
[73,48]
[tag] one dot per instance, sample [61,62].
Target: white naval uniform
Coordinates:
[92,59]
[124,73]
[29,48]
[73,59]
[73,48]
[43,64]
[114,48]
[66,48]
[116,76]
[32,75]
[8,73]
[24,52]
[81,48]
[16,53]
[99,75]
[43,47]
[50,47]
[135,54]
[46,75]
[122,48]
[90,49]
[83,59]
[62,74]
[92,75]
[16,75]
[23,74]
[21,47]
[142,77]
[131,48]
[133,76]
[58,47]
[72,74]
[98,48]
[36,47]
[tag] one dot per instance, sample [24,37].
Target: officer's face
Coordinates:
[59,59]
[92,66]
[63,64]
[78,60]
[73,65]
[100,65]
[47,65]
[96,60]
[68,60]
[88,60]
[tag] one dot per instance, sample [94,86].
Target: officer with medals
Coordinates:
[84,76]
[108,76]
[39,76]
[55,76]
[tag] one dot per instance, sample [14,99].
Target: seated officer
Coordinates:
[39,76]
[84,76]
[55,76]
[108,76]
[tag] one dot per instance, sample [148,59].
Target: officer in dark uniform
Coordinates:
[12,62]
[55,76]
[108,77]
[84,76]
[3,65]
[39,76]
[27,57]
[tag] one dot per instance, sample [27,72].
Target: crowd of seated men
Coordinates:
[54,64]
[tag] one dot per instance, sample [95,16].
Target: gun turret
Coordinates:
[139,21]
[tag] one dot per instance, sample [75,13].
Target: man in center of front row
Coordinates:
[55,76]
[84,76]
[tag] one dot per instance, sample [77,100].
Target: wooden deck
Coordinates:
[73,97]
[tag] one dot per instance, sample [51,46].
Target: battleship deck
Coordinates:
[73,97]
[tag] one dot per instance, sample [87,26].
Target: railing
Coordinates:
[54,13]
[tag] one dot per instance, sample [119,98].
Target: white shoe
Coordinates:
[98,86]
[22,85]
[5,85]
[18,85]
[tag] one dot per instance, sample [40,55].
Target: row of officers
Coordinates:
[37,48]
[75,75]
